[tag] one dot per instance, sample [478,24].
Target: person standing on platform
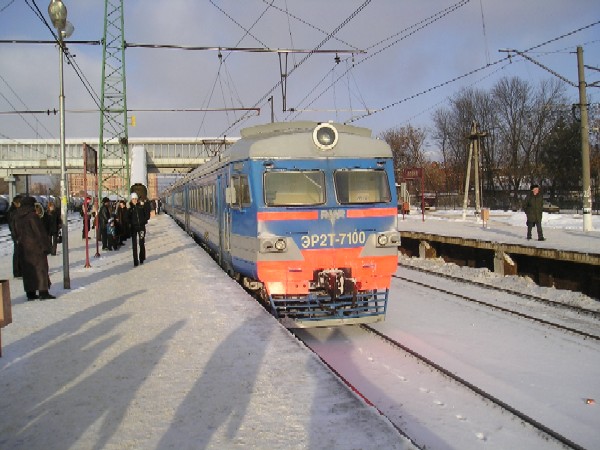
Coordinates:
[53,223]
[33,246]
[111,232]
[103,217]
[534,207]
[122,222]
[137,225]
[82,211]
[15,204]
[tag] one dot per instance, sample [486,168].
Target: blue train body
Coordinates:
[303,213]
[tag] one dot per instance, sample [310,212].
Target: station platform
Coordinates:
[501,229]
[170,354]
[568,258]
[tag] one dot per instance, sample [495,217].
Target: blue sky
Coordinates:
[462,41]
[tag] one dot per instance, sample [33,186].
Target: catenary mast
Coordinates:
[113,178]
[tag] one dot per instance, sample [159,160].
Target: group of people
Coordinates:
[118,223]
[35,234]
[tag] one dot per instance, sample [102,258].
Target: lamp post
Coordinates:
[58,14]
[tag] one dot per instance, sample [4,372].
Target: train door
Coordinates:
[223,220]
[186,208]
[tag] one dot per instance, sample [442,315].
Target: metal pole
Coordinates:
[585,146]
[63,173]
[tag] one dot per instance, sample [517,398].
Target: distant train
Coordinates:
[302,213]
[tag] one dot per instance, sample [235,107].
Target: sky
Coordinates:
[118,361]
[408,55]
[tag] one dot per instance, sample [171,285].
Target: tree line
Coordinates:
[532,135]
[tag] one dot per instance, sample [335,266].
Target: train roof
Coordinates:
[294,140]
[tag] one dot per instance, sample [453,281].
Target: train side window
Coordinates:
[297,188]
[242,190]
[362,186]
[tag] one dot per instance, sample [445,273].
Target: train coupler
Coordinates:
[335,282]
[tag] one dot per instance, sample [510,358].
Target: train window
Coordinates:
[242,190]
[297,188]
[362,186]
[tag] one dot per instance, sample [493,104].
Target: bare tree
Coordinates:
[516,117]
[452,129]
[525,117]
[407,147]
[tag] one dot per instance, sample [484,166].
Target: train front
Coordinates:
[328,239]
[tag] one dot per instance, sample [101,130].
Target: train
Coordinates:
[304,215]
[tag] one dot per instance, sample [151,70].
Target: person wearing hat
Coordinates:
[534,207]
[137,225]
[103,217]
[33,247]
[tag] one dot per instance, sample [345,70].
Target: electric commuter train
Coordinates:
[302,213]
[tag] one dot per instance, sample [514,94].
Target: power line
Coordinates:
[405,33]
[447,82]
[303,60]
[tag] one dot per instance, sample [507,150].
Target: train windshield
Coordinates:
[297,188]
[362,186]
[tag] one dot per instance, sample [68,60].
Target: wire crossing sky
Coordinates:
[417,56]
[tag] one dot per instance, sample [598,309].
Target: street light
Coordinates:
[58,14]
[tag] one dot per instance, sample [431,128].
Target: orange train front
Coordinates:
[305,214]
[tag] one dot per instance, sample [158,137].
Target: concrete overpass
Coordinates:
[163,155]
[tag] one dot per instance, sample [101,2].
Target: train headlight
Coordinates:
[388,239]
[280,244]
[325,136]
[273,245]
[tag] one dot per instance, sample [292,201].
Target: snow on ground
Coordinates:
[565,229]
[170,354]
[78,377]
[546,373]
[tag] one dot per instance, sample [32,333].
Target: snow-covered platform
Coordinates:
[568,257]
[170,354]
[563,232]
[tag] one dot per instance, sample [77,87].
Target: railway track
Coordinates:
[482,393]
[577,309]
[591,314]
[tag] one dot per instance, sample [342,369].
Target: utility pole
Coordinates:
[585,142]
[585,146]
[474,146]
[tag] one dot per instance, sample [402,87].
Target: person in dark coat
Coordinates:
[534,207]
[86,206]
[122,221]
[15,204]
[103,218]
[53,223]
[137,225]
[33,246]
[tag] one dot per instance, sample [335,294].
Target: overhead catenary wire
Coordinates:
[25,105]
[70,60]
[302,61]
[471,72]
[401,35]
